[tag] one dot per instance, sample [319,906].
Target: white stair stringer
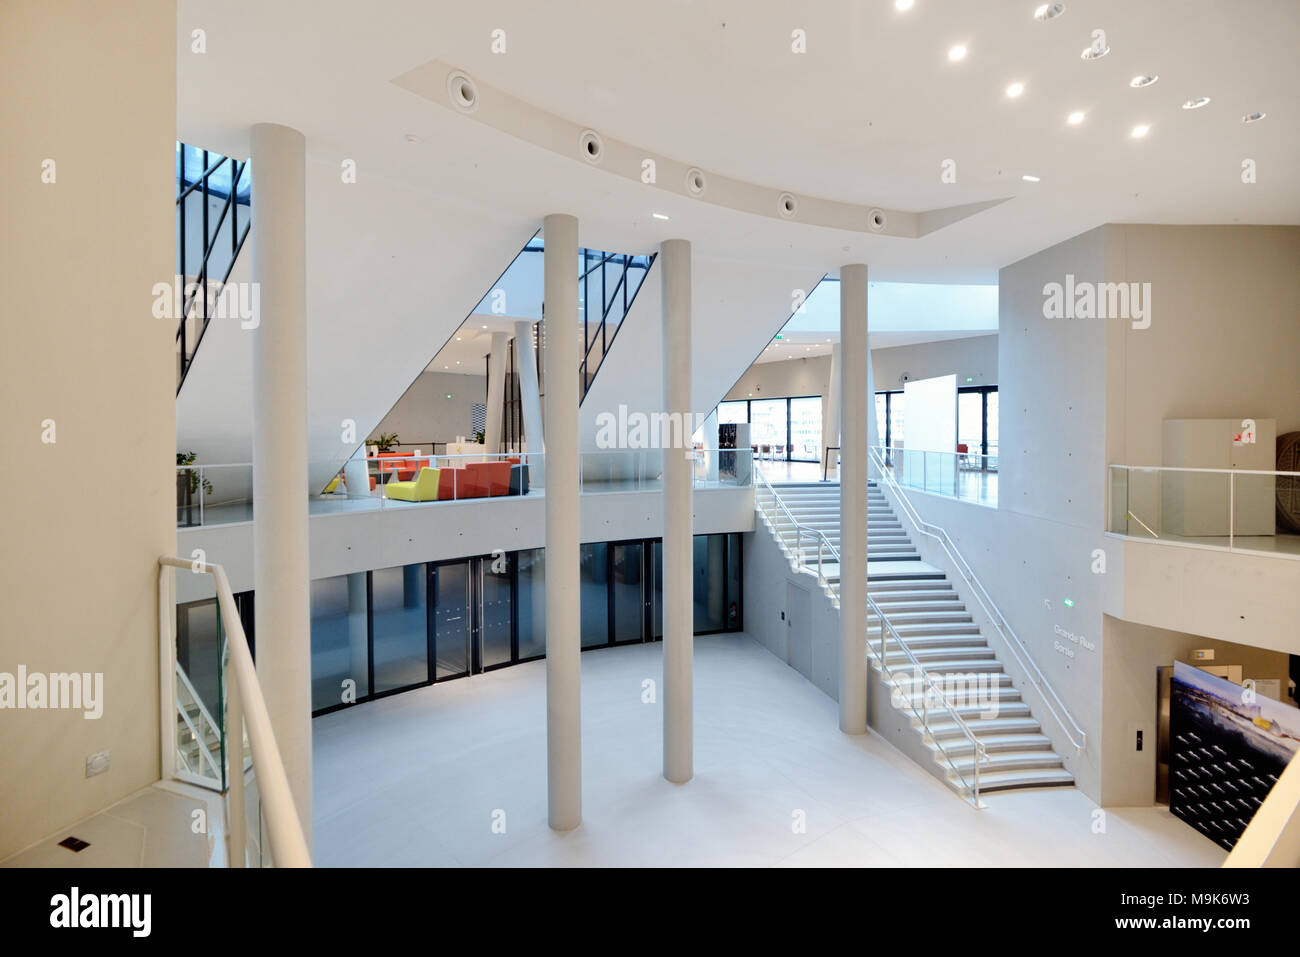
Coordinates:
[939,631]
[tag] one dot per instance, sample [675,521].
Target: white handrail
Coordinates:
[978,751]
[244,702]
[1053,700]
[1176,468]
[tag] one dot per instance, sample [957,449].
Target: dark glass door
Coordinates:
[449,586]
[629,605]
[496,612]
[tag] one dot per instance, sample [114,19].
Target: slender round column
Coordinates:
[854,406]
[280,557]
[679,601]
[529,397]
[831,424]
[496,396]
[563,638]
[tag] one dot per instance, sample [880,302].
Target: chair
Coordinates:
[424,489]
[334,483]
[395,462]
[519,480]
[488,478]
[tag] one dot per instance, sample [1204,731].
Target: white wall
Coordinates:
[86,517]
[788,377]
[975,358]
[424,414]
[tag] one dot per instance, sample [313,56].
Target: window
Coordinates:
[340,657]
[977,421]
[768,425]
[806,429]
[399,600]
[730,412]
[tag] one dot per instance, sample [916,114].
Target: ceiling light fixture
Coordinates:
[1253,117]
[1015,89]
[1140,131]
[1197,103]
[1049,11]
[1028,178]
[1145,79]
[903,5]
[957,53]
[1074,119]
[1092,53]
[658,215]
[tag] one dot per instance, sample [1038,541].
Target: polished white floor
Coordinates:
[421,778]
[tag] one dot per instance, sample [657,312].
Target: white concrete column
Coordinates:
[496,391]
[679,623]
[853,499]
[529,397]
[831,414]
[356,474]
[563,638]
[280,570]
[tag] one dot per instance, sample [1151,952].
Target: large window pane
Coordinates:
[881,400]
[710,586]
[896,420]
[733,412]
[496,612]
[993,427]
[806,428]
[657,590]
[627,592]
[401,626]
[594,590]
[531,606]
[451,619]
[970,422]
[339,652]
[767,422]
[733,581]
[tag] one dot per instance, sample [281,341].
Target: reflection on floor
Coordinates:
[151,828]
[455,774]
[1280,544]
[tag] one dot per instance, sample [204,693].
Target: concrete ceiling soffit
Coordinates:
[454,89]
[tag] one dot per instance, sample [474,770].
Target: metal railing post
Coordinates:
[237,839]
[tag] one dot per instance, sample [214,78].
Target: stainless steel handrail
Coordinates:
[243,701]
[824,544]
[1077,736]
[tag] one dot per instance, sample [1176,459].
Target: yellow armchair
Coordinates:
[423,489]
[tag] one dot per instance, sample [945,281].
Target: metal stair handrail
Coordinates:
[1077,736]
[244,701]
[978,751]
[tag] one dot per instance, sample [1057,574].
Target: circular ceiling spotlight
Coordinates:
[1049,11]
[957,53]
[1029,178]
[1197,103]
[787,205]
[876,220]
[903,4]
[591,146]
[1253,117]
[1145,79]
[1140,131]
[1092,53]
[1074,119]
[463,92]
[1015,89]
[695,181]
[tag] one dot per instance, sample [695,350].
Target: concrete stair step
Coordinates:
[944,727]
[994,744]
[1043,759]
[896,659]
[1023,778]
[908,629]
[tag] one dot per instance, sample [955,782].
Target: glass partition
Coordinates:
[530,603]
[399,599]
[340,661]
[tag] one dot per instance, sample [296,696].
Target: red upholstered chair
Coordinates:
[475,479]
[498,474]
[447,484]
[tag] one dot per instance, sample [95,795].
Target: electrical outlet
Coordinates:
[97,763]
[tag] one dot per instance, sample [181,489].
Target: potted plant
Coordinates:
[385,442]
[187,483]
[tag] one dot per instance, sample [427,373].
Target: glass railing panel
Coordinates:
[1193,506]
[1253,501]
[213,494]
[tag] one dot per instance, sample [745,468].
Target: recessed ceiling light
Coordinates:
[412,138]
[659,215]
[1092,53]
[1074,119]
[1197,103]
[1030,179]
[1140,131]
[958,52]
[485,325]
[1253,117]
[903,4]
[458,338]
[1015,89]
[1146,79]
[1049,11]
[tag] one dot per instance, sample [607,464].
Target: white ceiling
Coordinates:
[867,115]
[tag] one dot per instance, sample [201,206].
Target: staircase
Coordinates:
[928,616]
